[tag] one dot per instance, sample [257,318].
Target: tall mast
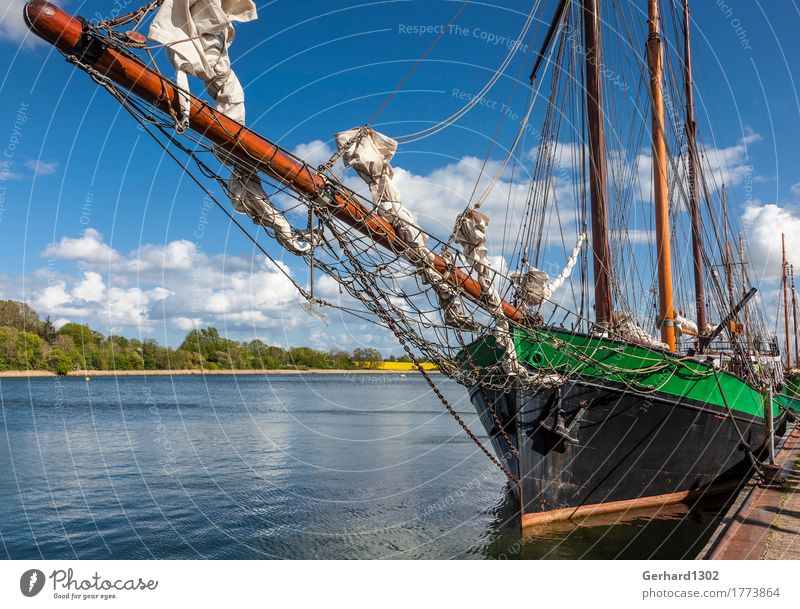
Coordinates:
[786,303]
[601,256]
[694,186]
[727,263]
[794,315]
[744,291]
[655,60]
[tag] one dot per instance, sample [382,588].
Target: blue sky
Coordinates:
[95,225]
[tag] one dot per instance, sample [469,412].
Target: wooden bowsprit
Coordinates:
[75,37]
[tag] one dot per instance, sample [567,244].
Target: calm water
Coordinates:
[323,466]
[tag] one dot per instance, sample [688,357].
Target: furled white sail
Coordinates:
[532,286]
[369,153]
[470,233]
[248,197]
[197,34]
[685,326]
[625,325]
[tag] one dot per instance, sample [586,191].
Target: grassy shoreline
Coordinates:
[91,373]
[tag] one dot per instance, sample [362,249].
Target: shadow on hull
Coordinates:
[588,450]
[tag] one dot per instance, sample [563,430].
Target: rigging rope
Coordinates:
[417,136]
[400,84]
[391,289]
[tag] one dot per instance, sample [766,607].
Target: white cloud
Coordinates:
[315,152]
[41,168]
[174,284]
[125,308]
[53,297]
[764,225]
[12,25]
[635,236]
[158,293]
[186,324]
[729,165]
[90,247]
[6,174]
[174,256]
[91,288]
[436,198]
[795,189]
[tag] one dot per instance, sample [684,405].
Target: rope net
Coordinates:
[396,284]
[399,282]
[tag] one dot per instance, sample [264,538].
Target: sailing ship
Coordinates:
[586,410]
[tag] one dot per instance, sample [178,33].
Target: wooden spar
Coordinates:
[655,62]
[744,291]
[601,255]
[786,303]
[554,25]
[727,263]
[65,32]
[794,315]
[694,186]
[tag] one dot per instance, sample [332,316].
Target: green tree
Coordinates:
[367,358]
[15,314]
[206,342]
[119,342]
[221,359]
[58,361]
[26,342]
[151,352]
[47,331]
[20,350]
[8,354]
[83,336]
[340,360]
[183,360]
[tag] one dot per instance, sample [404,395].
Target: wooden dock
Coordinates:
[764,521]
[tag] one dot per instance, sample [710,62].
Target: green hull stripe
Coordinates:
[643,370]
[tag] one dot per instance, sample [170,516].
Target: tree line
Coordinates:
[29,343]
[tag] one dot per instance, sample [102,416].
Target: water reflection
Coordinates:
[276,467]
[677,531]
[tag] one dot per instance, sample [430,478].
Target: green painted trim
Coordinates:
[642,369]
[793,384]
[790,397]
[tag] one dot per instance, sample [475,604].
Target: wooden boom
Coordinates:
[71,36]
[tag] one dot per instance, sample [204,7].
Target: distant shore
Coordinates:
[91,373]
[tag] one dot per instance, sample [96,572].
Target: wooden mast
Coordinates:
[744,291]
[794,315]
[601,256]
[655,61]
[694,186]
[786,303]
[727,262]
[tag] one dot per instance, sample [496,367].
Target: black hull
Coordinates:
[612,447]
